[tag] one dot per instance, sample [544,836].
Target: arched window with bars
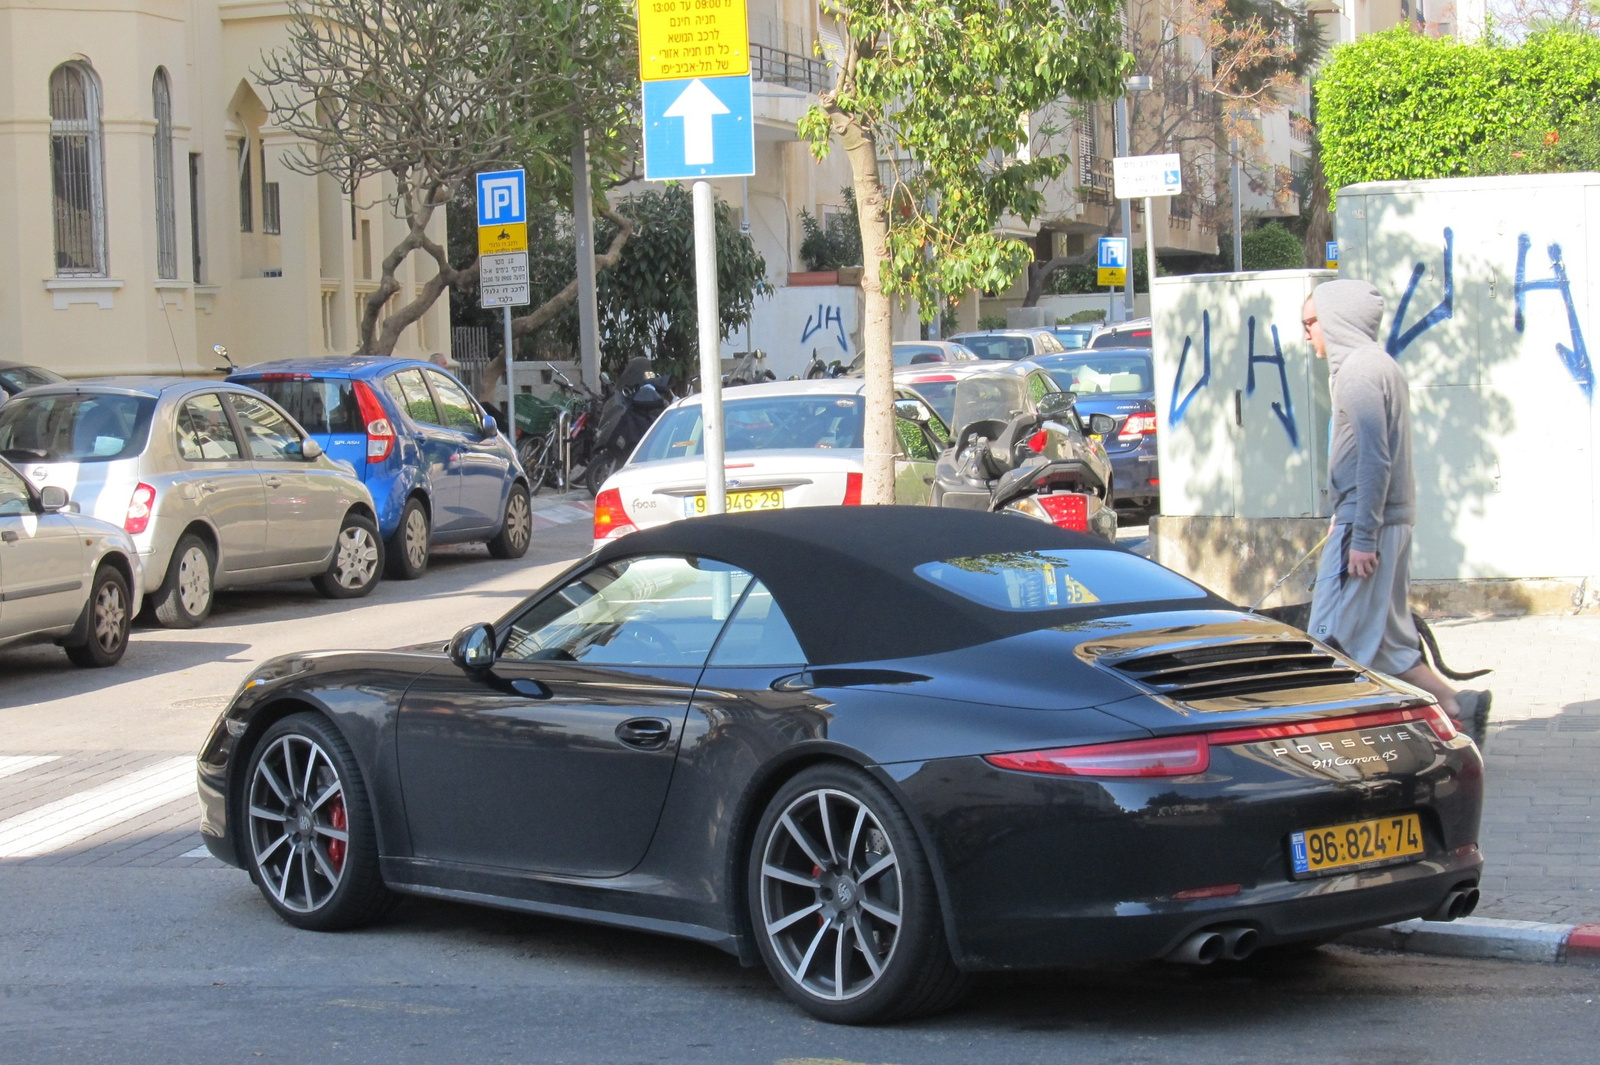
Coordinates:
[77,171]
[166,197]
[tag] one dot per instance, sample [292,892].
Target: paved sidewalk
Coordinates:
[1541,821]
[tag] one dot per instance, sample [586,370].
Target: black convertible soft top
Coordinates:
[844,575]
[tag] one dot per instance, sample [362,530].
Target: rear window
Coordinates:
[80,427]
[321,404]
[769,423]
[1132,338]
[1057,579]
[940,392]
[1111,374]
[1005,348]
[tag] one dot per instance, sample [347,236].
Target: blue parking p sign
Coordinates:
[1112,260]
[502,198]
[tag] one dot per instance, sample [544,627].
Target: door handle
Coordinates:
[206,487]
[9,536]
[532,689]
[645,733]
[274,482]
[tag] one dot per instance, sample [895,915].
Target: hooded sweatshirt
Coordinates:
[1369,467]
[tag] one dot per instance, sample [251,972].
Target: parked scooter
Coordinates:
[631,408]
[1013,456]
[817,370]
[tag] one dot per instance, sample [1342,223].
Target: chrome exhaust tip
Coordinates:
[1202,948]
[1239,943]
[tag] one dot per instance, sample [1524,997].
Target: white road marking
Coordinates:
[60,824]
[198,852]
[561,515]
[12,764]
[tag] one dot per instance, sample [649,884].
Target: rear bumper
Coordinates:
[1133,471]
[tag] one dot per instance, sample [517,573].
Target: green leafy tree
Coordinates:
[835,243]
[1398,106]
[946,90]
[1272,247]
[425,93]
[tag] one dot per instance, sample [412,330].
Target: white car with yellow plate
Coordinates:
[788,444]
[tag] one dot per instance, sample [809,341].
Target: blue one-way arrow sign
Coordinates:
[698,127]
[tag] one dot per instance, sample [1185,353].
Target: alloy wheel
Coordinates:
[356,561]
[831,894]
[298,823]
[519,522]
[194,581]
[110,615]
[416,539]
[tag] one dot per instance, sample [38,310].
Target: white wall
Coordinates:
[797,319]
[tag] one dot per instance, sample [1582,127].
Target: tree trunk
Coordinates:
[1319,227]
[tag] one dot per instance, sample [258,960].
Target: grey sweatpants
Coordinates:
[1368,618]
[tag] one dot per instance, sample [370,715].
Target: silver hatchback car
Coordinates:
[215,483]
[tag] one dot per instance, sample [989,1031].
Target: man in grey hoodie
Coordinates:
[1359,602]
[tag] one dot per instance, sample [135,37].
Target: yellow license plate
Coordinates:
[739,502]
[1355,845]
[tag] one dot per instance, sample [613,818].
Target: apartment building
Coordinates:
[149,213]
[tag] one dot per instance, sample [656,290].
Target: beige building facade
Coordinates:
[148,212]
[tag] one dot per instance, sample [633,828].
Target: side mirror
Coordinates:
[490,426]
[53,498]
[1055,404]
[909,410]
[473,648]
[1102,424]
[310,450]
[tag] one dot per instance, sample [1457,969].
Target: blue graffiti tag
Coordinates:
[1399,341]
[1575,358]
[825,316]
[1285,410]
[1205,369]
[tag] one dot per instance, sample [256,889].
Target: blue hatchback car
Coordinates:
[436,464]
[1119,382]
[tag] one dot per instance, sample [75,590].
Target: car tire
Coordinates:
[601,467]
[406,552]
[516,527]
[102,633]
[357,563]
[187,591]
[836,873]
[302,790]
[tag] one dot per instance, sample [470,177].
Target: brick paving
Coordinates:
[1541,828]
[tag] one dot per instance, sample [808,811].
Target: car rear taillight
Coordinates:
[1165,756]
[852,490]
[932,379]
[1068,510]
[1137,425]
[610,519]
[140,507]
[1176,756]
[380,433]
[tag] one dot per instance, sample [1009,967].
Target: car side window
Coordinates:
[663,610]
[13,494]
[204,432]
[758,634]
[407,389]
[454,404]
[267,431]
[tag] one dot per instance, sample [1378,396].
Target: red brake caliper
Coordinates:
[337,819]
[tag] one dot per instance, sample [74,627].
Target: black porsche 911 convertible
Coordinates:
[876,748]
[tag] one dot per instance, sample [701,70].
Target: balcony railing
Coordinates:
[792,71]
[1180,212]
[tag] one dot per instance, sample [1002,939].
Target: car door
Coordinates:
[436,445]
[920,435]
[216,472]
[305,506]
[482,463]
[42,583]
[557,759]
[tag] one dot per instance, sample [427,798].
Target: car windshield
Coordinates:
[995,346]
[990,397]
[1091,374]
[322,405]
[767,423]
[1057,579]
[16,378]
[79,427]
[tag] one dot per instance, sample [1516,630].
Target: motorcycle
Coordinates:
[1012,456]
[817,370]
[751,369]
[632,408]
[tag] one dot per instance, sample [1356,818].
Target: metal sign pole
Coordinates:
[1150,247]
[705,273]
[511,388]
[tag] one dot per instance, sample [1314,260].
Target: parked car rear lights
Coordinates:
[1069,510]
[1137,425]
[1164,756]
[380,433]
[1216,891]
[852,490]
[140,507]
[1444,728]
[610,519]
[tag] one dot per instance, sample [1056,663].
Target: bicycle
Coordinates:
[544,458]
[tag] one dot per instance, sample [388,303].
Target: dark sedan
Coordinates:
[875,748]
[1119,382]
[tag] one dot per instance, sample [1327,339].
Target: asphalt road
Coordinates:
[129,959]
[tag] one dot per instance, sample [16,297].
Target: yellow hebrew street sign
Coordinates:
[692,39]
[497,240]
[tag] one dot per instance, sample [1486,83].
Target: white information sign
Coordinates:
[1139,176]
[503,280]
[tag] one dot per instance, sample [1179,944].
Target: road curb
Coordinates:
[1487,937]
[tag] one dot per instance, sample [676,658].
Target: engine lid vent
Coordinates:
[1221,671]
